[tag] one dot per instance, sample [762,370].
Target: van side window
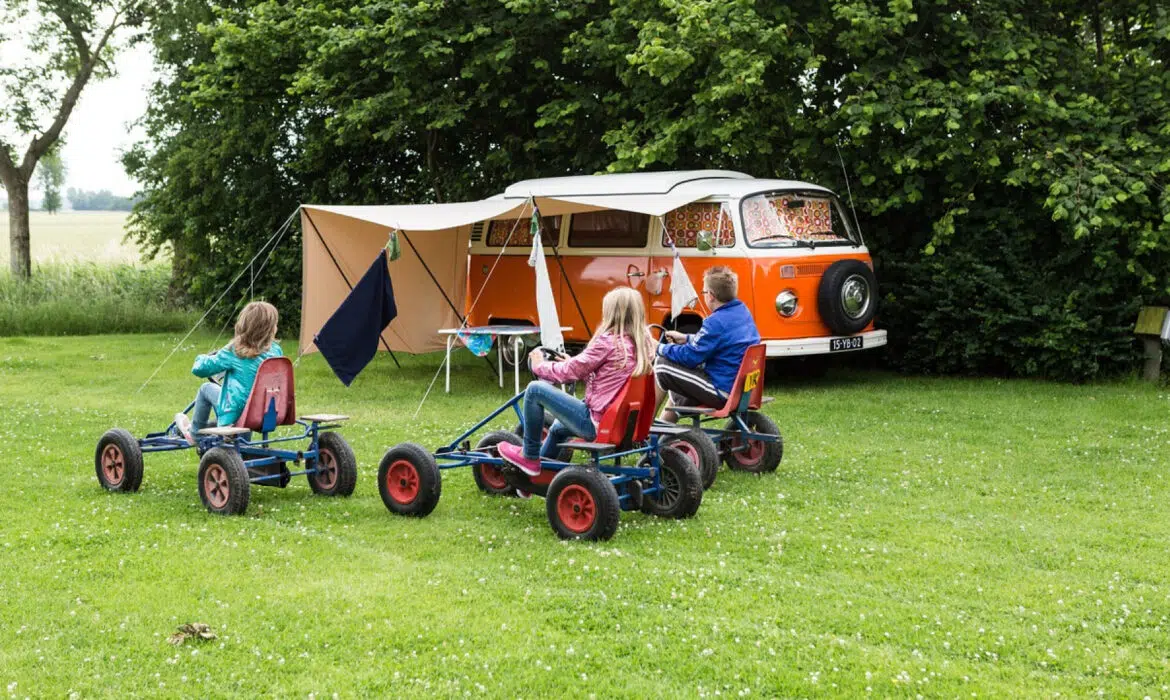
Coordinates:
[683,225]
[521,230]
[609,229]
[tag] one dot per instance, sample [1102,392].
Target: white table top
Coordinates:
[497,330]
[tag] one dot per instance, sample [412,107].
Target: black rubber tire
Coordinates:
[486,444]
[772,454]
[703,446]
[565,455]
[126,477]
[682,484]
[428,484]
[239,489]
[829,296]
[344,464]
[606,506]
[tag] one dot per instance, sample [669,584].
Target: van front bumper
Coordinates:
[822,346]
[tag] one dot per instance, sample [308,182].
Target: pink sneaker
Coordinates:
[514,454]
[183,425]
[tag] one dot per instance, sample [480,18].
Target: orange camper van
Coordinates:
[803,269]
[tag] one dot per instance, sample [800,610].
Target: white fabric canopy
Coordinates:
[430,279]
[425,217]
[652,204]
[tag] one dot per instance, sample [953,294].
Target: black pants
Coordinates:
[687,386]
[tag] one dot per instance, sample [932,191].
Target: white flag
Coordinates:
[546,303]
[682,292]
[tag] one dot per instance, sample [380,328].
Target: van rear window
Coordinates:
[683,225]
[609,229]
[550,231]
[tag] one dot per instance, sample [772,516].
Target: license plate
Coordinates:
[855,343]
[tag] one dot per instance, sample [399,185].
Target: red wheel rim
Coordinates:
[576,508]
[492,476]
[113,465]
[326,475]
[216,486]
[402,482]
[688,450]
[752,454]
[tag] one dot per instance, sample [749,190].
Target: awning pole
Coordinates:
[576,302]
[462,321]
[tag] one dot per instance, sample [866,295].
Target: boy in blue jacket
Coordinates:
[699,369]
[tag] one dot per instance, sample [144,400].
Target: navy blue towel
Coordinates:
[349,339]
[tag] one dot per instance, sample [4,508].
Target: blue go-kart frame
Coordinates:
[748,441]
[583,501]
[231,460]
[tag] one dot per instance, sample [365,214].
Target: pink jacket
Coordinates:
[604,367]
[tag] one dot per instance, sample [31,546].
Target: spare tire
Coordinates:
[847,297]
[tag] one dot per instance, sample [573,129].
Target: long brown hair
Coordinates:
[622,313]
[255,329]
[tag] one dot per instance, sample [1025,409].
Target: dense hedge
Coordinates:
[1009,160]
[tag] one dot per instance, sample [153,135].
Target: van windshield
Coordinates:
[787,219]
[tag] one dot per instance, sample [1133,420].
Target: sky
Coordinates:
[100,128]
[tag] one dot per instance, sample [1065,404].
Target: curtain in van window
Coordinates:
[811,222]
[683,225]
[550,232]
[609,229]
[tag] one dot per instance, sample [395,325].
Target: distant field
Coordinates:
[74,236]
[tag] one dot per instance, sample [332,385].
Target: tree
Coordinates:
[51,175]
[68,43]
[1008,160]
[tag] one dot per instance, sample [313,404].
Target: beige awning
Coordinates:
[430,279]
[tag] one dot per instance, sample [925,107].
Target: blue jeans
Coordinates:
[572,419]
[205,401]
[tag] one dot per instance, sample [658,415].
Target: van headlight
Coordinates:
[786,303]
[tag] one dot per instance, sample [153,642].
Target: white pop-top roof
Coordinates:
[687,185]
[620,183]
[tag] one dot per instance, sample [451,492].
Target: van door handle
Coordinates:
[635,274]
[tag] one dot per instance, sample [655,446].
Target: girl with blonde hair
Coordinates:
[254,341]
[620,348]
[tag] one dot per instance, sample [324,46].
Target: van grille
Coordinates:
[477,232]
[810,270]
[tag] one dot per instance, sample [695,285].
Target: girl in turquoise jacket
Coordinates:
[254,342]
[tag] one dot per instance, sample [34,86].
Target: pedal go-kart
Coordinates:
[583,501]
[231,460]
[749,441]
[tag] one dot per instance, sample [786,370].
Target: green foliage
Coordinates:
[88,299]
[1032,142]
[51,175]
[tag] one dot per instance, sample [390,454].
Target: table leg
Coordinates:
[500,360]
[517,346]
[448,362]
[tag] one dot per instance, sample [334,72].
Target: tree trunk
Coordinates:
[19,257]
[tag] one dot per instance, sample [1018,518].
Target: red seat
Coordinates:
[747,392]
[273,397]
[627,420]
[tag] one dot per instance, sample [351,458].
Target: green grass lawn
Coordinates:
[934,537]
[73,236]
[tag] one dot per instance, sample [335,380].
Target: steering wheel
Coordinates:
[661,332]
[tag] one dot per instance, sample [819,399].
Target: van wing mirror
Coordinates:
[704,241]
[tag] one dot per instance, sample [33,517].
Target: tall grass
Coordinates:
[87,299]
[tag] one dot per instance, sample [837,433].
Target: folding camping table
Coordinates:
[513,334]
